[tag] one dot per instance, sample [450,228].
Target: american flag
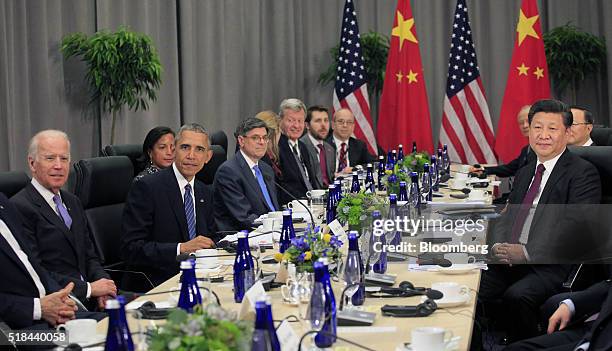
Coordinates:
[466,123]
[351,90]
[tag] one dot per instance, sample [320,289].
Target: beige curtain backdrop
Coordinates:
[226,60]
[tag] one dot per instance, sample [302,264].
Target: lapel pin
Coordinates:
[201,200]
[1,207]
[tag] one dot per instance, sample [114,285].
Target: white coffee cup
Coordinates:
[477,194]
[268,224]
[298,206]
[429,339]
[451,290]
[457,183]
[315,193]
[79,330]
[275,214]
[459,258]
[207,258]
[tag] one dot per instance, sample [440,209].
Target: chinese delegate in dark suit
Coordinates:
[154,222]
[292,179]
[238,198]
[17,290]
[508,170]
[67,254]
[595,299]
[330,159]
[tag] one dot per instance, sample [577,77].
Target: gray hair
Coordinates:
[249,124]
[291,104]
[192,127]
[48,133]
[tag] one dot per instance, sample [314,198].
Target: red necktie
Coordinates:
[523,211]
[323,164]
[342,160]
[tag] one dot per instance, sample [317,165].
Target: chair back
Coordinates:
[102,186]
[132,151]
[12,182]
[207,174]
[219,138]
[601,158]
[602,136]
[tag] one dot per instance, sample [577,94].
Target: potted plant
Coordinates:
[375,49]
[123,68]
[572,55]
[208,328]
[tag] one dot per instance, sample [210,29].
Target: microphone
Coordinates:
[296,199]
[442,262]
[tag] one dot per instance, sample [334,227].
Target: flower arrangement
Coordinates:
[208,328]
[414,162]
[354,207]
[306,249]
[393,177]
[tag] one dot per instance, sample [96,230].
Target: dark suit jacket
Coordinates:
[357,151]
[238,199]
[508,170]
[330,158]
[291,178]
[597,298]
[154,222]
[67,254]
[558,220]
[17,291]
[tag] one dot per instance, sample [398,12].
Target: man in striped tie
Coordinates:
[170,212]
[245,187]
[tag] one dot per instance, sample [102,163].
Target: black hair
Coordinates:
[552,106]
[588,116]
[249,124]
[152,137]
[315,108]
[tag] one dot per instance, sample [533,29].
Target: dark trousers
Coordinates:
[516,294]
[557,341]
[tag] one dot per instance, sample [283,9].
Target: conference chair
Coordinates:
[207,174]
[102,186]
[219,138]
[602,136]
[132,151]
[12,182]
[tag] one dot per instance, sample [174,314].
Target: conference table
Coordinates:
[387,333]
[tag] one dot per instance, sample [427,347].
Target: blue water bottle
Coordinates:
[414,195]
[190,292]
[118,337]
[270,325]
[330,209]
[400,153]
[244,275]
[426,183]
[359,297]
[396,236]
[369,179]
[124,323]
[446,159]
[379,266]
[381,172]
[286,231]
[355,187]
[435,174]
[261,340]
[329,327]
[403,192]
[390,160]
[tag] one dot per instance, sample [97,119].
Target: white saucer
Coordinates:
[95,340]
[456,269]
[451,345]
[446,302]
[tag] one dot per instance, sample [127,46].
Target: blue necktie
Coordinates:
[263,187]
[63,212]
[189,212]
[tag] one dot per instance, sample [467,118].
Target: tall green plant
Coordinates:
[123,68]
[572,55]
[375,49]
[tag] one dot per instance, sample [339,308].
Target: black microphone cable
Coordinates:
[334,336]
[298,200]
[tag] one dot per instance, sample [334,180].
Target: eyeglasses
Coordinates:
[344,123]
[577,124]
[258,138]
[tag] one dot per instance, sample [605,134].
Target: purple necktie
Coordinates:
[523,211]
[63,212]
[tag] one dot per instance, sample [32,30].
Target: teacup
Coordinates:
[450,290]
[298,205]
[457,183]
[429,338]
[207,258]
[459,258]
[79,330]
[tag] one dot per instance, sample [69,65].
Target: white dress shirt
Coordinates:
[338,143]
[249,162]
[48,196]
[588,142]
[295,144]
[549,166]
[23,257]
[182,182]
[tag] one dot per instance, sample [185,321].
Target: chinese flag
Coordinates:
[404,111]
[527,81]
